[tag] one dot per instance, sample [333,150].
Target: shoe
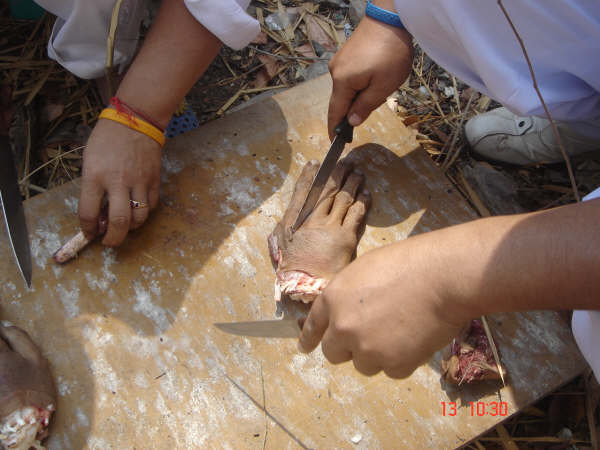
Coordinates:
[503,136]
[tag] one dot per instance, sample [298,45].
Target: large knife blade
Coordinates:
[282,328]
[12,210]
[343,135]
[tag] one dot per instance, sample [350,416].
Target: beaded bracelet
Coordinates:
[383,15]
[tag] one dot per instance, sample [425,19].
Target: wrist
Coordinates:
[153,106]
[384,14]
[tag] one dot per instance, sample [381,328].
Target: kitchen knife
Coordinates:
[12,210]
[282,328]
[343,134]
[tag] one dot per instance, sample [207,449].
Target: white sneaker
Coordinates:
[503,136]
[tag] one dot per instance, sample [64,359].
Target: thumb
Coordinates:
[314,326]
[364,103]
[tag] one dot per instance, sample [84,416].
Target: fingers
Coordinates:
[366,101]
[357,212]
[366,365]
[345,197]
[90,202]
[139,215]
[119,217]
[20,342]
[398,372]
[300,191]
[333,185]
[339,104]
[332,350]
[314,326]
[153,195]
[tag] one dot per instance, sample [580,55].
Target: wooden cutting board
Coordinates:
[129,332]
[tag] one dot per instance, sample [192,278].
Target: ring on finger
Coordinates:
[136,204]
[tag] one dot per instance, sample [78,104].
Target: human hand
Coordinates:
[387,310]
[121,164]
[366,70]
[25,385]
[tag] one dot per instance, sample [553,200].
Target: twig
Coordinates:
[299,58]
[228,66]
[264,401]
[488,333]
[110,46]
[456,98]
[546,110]
[25,178]
[449,157]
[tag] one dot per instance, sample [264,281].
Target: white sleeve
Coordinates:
[226,19]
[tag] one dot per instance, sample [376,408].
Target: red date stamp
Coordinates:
[477,409]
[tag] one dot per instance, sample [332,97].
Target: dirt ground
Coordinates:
[55,112]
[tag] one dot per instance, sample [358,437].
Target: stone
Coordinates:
[356,11]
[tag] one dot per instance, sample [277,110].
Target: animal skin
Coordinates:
[305,260]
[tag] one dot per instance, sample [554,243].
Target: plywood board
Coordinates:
[129,331]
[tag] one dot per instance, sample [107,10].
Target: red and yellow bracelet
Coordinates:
[135,123]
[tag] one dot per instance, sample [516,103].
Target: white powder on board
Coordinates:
[82,419]
[172,165]
[240,405]
[300,159]
[145,306]
[69,298]
[43,245]
[140,380]
[310,369]
[242,150]
[64,388]
[72,203]
[141,404]
[243,193]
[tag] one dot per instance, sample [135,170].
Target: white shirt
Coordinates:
[473,40]
[79,37]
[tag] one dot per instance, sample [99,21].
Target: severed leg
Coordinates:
[326,242]
[27,393]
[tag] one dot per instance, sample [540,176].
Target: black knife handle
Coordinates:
[345,130]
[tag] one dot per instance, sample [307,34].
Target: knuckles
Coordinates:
[119,221]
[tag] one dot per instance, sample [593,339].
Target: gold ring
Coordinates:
[135,204]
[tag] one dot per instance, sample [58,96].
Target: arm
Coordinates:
[395,306]
[122,163]
[369,67]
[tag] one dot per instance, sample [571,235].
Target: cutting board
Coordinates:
[129,334]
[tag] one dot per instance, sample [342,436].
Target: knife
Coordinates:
[12,210]
[343,135]
[281,328]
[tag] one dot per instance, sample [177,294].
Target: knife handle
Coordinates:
[345,130]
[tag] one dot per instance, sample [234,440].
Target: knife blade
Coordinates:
[281,328]
[12,210]
[343,135]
